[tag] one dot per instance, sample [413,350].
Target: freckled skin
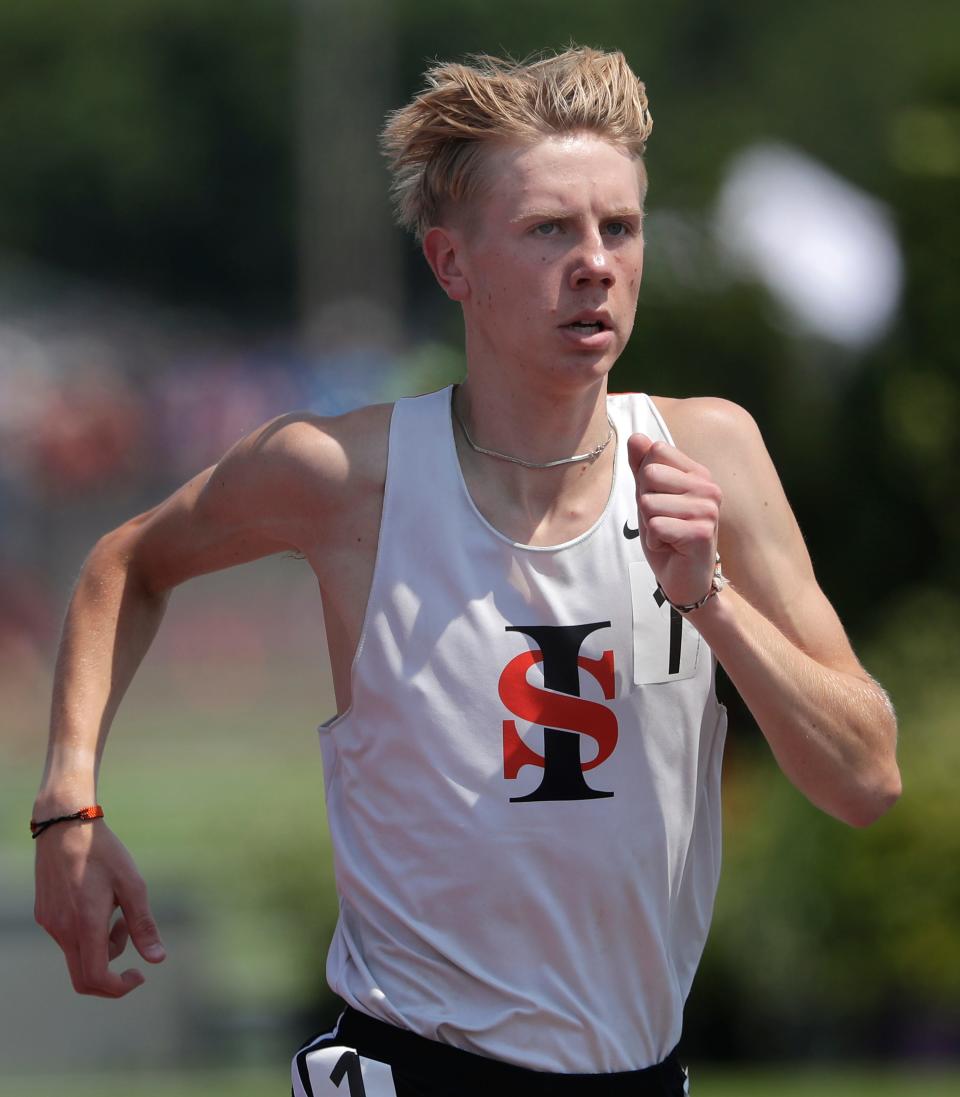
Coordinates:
[527,274]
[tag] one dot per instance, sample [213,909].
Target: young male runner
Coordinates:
[524,601]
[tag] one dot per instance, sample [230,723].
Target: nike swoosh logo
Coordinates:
[628,532]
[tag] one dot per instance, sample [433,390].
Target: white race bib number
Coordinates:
[666,647]
[341,1072]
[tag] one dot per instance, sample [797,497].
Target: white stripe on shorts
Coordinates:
[298,1089]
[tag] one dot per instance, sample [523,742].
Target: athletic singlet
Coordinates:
[524,795]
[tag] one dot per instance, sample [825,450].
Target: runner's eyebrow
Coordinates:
[542,215]
[624,213]
[546,214]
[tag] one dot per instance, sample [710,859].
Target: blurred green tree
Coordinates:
[149,142]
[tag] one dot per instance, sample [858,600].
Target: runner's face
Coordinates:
[554,258]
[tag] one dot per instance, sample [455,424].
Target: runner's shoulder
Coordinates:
[326,455]
[710,428]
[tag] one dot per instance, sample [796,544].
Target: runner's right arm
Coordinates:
[270,493]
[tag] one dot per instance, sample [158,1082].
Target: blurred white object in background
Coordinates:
[826,250]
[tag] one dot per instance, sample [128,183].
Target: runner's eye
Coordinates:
[547,228]
[618,228]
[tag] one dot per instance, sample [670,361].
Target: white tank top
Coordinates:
[524,795]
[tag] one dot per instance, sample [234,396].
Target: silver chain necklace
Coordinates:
[591,456]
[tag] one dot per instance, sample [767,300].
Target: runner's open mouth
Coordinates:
[587,327]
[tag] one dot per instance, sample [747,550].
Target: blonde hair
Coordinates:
[434,143]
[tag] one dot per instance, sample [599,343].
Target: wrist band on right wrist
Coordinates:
[36,829]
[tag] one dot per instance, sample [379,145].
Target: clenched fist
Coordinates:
[678,507]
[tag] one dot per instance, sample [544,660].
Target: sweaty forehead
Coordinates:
[562,169]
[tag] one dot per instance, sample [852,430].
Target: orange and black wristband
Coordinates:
[36,829]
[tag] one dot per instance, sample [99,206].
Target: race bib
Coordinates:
[666,647]
[341,1072]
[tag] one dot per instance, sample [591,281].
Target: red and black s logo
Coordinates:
[564,715]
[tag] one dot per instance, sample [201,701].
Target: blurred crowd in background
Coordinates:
[104,411]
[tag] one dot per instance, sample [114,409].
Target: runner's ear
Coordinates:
[441,248]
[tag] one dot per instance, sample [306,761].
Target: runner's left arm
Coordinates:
[830,726]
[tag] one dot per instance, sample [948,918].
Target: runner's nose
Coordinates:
[592,266]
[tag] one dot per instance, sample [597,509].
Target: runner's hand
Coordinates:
[83,874]
[678,507]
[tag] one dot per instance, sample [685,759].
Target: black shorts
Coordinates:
[350,1063]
